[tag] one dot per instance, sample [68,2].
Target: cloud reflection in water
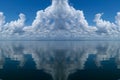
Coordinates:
[60,59]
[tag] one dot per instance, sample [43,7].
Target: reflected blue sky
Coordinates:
[61,59]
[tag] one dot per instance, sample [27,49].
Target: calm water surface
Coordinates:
[59,60]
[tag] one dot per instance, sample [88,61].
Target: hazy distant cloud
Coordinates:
[60,20]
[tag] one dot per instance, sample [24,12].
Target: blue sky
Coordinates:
[12,8]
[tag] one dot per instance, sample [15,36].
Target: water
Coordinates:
[59,60]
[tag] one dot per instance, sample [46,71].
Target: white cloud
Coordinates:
[104,26]
[13,27]
[2,19]
[117,19]
[59,21]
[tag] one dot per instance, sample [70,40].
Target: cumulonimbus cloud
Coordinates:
[59,21]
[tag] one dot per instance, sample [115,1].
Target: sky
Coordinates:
[59,19]
[13,8]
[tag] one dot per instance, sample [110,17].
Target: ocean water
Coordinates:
[59,60]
